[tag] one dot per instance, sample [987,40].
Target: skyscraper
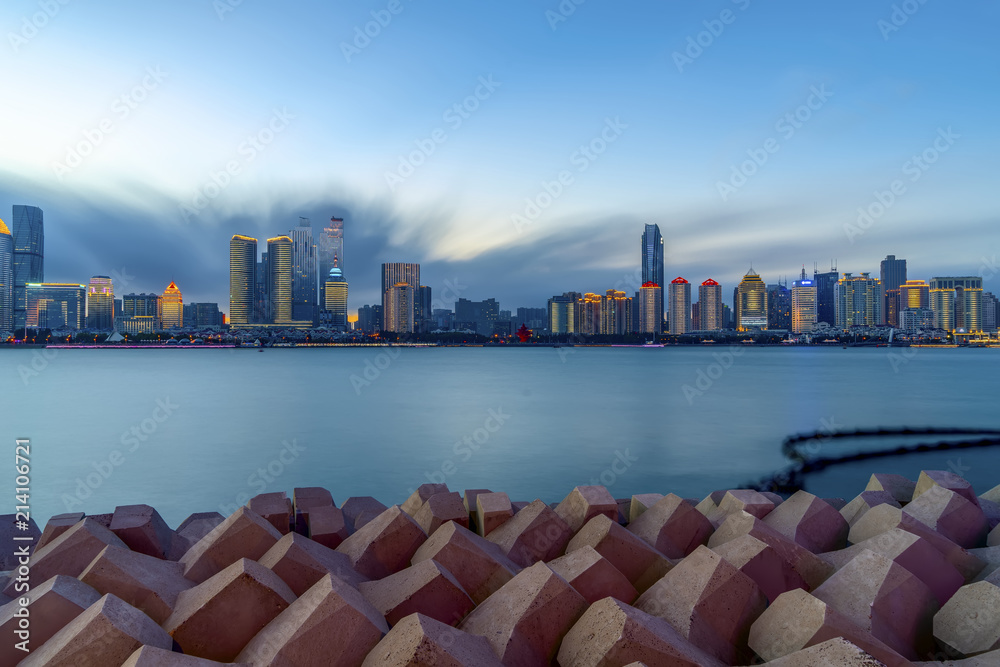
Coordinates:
[29,256]
[172,307]
[914,294]
[561,313]
[650,308]
[652,259]
[242,279]
[892,275]
[6,279]
[100,304]
[957,303]
[262,298]
[335,290]
[398,308]
[304,269]
[423,309]
[279,281]
[394,273]
[826,303]
[616,313]
[710,306]
[859,301]
[56,305]
[588,313]
[751,303]
[991,309]
[803,304]
[329,245]
[779,306]
[680,306]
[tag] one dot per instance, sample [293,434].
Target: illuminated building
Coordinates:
[172,307]
[6,279]
[144,306]
[679,315]
[650,308]
[588,312]
[912,319]
[751,303]
[242,279]
[304,269]
[957,303]
[330,245]
[100,304]
[562,313]
[616,313]
[710,306]
[56,305]
[398,308]
[29,256]
[803,304]
[859,301]
[826,302]
[779,307]
[991,309]
[914,294]
[279,280]
[335,290]
[652,259]
[394,273]
[892,276]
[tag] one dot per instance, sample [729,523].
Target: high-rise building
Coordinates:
[616,313]
[100,304]
[145,306]
[696,316]
[652,260]
[172,307]
[779,306]
[991,312]
[892,275]
[859,301]
[56,305]
[803,304]
[394,273]
[335,290]
[6,279]
[398,308]
[650,307]
[330,245]
[727,317]
[29,256]
[914,294]
[533,318]
[912,319]
[751,303]
[369,319]
[561,313]
[423,309]
[242,279]
[588,312]
[680,306]
[262,298]
[710,306]
[478,316]
[279,280]
[304,269]
[957,303]
[826,302]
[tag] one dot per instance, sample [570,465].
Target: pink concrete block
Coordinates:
[641,564]
[762,563]
[527,618]
[198,525]
[150,656]
[642,502]
[301,562]
[969,624]
[479,565]
[745,500]
[991,511]
[360,510]
[103,519]
[611,632]
[585,502]
[672,527]
[993,539]
[219,616]
[900,487]
[441,508]
[275,508]
[426,588]
[244,534]
[385,545]
[857,508]
[149,584]
[55,527]
[810,522]
[420,640]
[946,480]
[534,534]
[331,625]
[107,633]
[51,606]
[593,576]
[420,496]
[950,514]
[469,502]
[709,602]
[327,525]
[492,510]
[835,652]
[306,498]
[143,529]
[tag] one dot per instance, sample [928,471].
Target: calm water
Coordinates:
[533,423]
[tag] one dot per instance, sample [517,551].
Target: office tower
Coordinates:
[652,259]
[6,279]
[330,245]
[478,316]
[242,279]
[533,318]
[100,304]
[394,273]
[172,307]
[779,306]
[398,308]
[696,316]
[262,298]
[29,256]
[803,304]
[140,313]
[751,303]
[914,294]
[561,313]
[680,306]
[279,280]
[892,275]
[826,303]
[957,303]
[616,313]
[991,309]
[422,309]
[304,270]
[650,308]
[204,315]
[727,317]
[859,301]
[710,306]
[55,305]
[335,291]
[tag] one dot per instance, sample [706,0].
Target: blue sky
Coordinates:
[163,96]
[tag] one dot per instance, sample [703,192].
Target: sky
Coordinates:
[516,149]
